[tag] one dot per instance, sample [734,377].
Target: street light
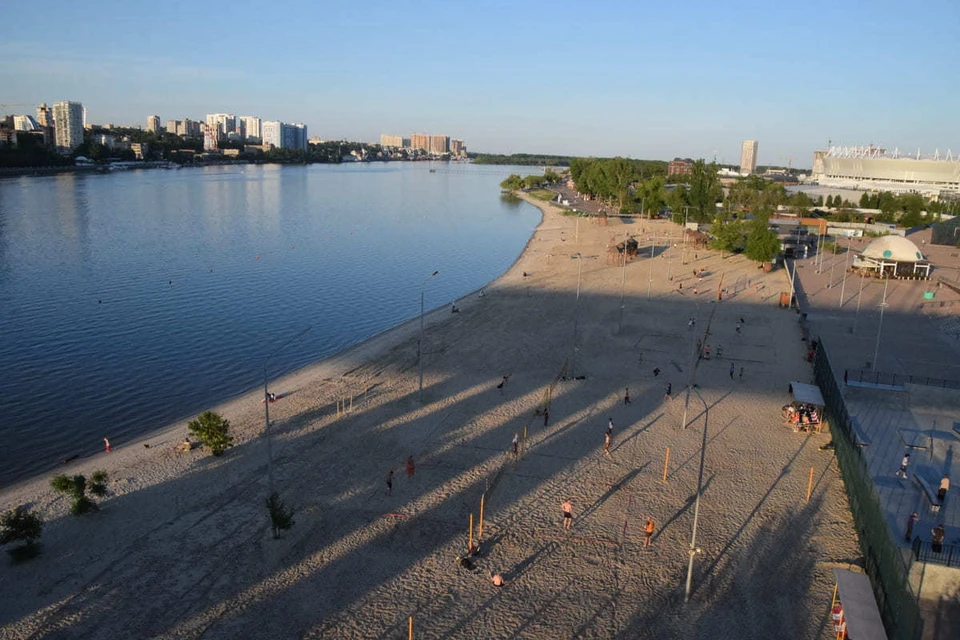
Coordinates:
[576,313]
[423,286]
[883,305]
[683,256]
[696,505]
[793,276]
[266,406]
[623,282]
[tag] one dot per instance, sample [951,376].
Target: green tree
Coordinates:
[621,174]
[652,193]
[213,430]
[762,244]
[77,486]
[678,198]
[281,518]
[705,190]
[551,177]
[803,203]
[512,183]
[865,200]
[21,525]
[532,182]
[729,236]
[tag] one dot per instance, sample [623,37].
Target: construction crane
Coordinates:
[3,105]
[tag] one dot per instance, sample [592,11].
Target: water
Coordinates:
[131,300]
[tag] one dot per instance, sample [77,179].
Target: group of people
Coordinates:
[410,467]
[802,416]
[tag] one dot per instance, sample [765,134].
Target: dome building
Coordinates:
[892,256]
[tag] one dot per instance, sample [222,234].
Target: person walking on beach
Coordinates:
[106,445]
[944,487]
[740,377]
[606,444]
[732,370]
[902,472]
[546,416]
[516,445]
[648,532]
[669,389]
[567,508]
[610,426]
[656,372]
[390,482]
[912,520]
[626,395]
[411,467]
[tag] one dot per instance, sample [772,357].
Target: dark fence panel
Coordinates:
[896,379]
[882,560]
[948,555]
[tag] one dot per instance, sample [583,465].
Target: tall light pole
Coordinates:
[876,351]
[650,270]
[623,282]
[683,255]
[856,316]
[423,286]
[843,287]
[576,314]
[696,505]
[793,275]
[266,407]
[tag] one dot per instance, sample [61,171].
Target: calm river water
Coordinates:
[131,300]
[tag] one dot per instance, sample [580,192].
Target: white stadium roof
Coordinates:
[893,248]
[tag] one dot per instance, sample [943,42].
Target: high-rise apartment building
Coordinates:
[173,126]
[211,137]
[439,145]
[748,157]
[284,136]
[457,147]
[251,128]
[68,121]
[25,123]
[227,122]
[420,141]
[387,140]
[271,133]
[44,115]
[153,124]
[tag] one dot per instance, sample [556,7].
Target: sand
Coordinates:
[182,548]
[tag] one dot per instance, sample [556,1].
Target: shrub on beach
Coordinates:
[213,430]
[77,486]
[281,519]
[21,525]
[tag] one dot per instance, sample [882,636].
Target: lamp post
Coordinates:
[683,255]
[856,316]
[650,269]
[843,287]
[576,314]
[266,407]
[883,305]
[793,275]
[623,282]
[423,286]
[696,505]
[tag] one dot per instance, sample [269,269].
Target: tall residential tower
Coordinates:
[68,122]
[748,157]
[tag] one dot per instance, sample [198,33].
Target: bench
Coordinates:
[928,491]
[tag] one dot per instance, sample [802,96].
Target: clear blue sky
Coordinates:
[639,79]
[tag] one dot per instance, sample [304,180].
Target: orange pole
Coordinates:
[480,534]
[523,444]
[810,484]
[410,634]
[666,465]
[471,533]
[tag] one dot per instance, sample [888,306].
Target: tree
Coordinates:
[705,190]
[652,192]
[532,182]
[21,525]
[512,183]
[213,430]
[281,519]
[865,200]
[622,174]
[729,236]
[77,486]
[551,177]
[762,245]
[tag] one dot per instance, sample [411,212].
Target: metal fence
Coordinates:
[896,379]
[882,560]
[948,555]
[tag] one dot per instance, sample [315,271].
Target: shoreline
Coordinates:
[325,369]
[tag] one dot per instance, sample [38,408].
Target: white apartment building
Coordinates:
[748,157]
[251,127]
[68,121]
[153,124]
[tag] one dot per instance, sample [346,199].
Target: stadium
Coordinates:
[871,168]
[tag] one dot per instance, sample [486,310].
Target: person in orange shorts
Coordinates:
[648,532]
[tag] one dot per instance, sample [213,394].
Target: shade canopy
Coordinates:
[807,393]
[859,606]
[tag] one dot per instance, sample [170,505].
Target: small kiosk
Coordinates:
[854,613]
[805,412]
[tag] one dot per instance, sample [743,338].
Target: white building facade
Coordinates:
[68,123]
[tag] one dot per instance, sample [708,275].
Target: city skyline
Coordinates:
[792,79]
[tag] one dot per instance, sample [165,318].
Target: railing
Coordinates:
[882,561]
[948,556]
[866,376]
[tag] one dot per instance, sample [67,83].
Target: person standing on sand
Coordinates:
[740,377]
[732,369]
[390,482]
[496,579]
[567,508]
[626,395]
[669,389]
[106,445]
[516,445]
[606,444]
[546,416]
[610,426]
[648,532]
[411,467]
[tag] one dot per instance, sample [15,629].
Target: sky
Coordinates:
[651,80]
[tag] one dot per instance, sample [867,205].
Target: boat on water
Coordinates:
[433,170]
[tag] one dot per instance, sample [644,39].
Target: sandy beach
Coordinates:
[181,547]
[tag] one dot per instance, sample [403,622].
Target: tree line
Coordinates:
[521,159]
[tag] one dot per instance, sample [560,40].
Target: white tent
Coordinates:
[807,393]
